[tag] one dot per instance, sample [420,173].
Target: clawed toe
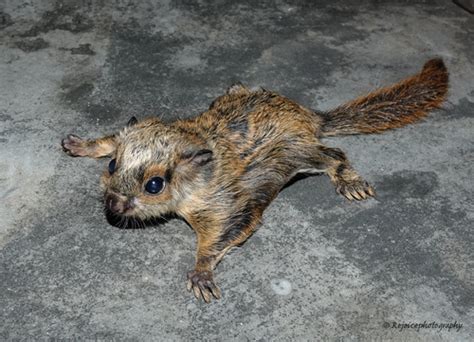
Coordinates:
[202,285]
[356,190]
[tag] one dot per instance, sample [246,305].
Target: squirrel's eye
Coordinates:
[112,166]
[155,185]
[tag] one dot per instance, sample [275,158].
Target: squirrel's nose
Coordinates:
[116,205]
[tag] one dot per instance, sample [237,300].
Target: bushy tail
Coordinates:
[395,106]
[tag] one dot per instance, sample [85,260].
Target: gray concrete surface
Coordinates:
[320,267]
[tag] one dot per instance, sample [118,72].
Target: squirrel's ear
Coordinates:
[196,156]
[133,120]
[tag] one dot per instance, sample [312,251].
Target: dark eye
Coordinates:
[112,166]
[155,185]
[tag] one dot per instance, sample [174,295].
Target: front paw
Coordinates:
[357,189]
[74,146]
[202,284]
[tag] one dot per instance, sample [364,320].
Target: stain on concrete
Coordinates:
[82,49]
[407,184]
[5,117]
[102,112]
[5,20]
[64,16]
[75,93]
[463,109]
[31,45]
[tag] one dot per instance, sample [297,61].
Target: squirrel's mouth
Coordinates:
[123,220]
[131,220]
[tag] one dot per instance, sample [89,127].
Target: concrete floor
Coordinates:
[319,267]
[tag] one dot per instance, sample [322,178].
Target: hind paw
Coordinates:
[355,190]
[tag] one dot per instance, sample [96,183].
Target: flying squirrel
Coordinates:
[220,170]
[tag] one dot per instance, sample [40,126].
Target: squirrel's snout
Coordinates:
[116,204]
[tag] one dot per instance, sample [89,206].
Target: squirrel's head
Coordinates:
[154,169]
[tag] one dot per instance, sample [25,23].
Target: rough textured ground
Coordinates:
[319,267]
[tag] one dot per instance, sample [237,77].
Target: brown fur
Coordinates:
[392,107]
[224,167]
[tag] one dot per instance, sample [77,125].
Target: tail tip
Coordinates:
[435,64]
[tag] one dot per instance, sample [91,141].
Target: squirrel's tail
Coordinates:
[395,106]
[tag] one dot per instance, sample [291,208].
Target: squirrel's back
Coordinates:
[262,136]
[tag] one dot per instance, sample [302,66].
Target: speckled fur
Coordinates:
[224,167]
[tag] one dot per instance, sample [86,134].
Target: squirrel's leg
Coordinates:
[201,279]
[212,246]
[97,148]
[347,181]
